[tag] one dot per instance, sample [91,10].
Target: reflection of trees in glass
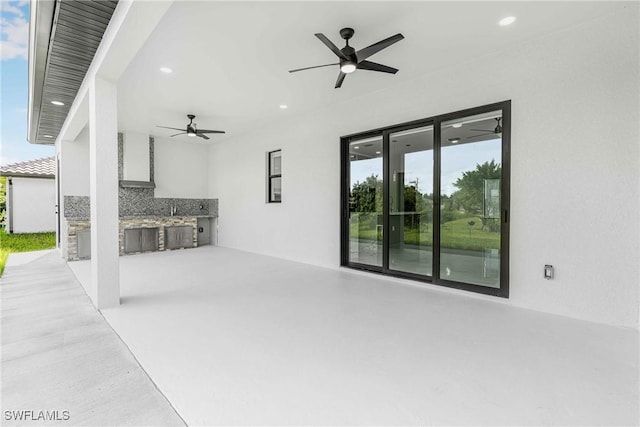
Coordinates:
[365,207]
[418,207]
[366,196]
[470,194]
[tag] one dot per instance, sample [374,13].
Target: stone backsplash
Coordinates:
[77,207]
[139,202]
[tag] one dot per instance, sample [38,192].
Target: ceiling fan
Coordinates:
[350,59]
[192,129]
[497,130]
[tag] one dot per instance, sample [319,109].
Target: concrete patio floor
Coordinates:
[60,355]
[234,338]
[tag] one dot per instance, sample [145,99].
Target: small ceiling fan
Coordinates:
[497,130]
[350,59]
[192,129]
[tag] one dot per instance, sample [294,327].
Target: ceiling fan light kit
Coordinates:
[347,67]
[350,60]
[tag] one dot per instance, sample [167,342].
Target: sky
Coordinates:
[14,72]
[455,159]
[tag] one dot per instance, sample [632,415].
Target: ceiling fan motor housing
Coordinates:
[347,33]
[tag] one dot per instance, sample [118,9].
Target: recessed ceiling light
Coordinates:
[57,103]
[357,148]
[457,125]
[377,152]
[283,106]
[454,140]
[507,21]
[166,70]
[47,136]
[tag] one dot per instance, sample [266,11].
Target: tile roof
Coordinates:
[45,167]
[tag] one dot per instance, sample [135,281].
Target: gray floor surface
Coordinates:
[62,364]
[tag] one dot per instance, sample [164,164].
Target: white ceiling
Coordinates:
[230,60]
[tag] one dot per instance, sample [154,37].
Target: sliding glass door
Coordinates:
[411,200]
[428,200]
[365,229]
[471,176]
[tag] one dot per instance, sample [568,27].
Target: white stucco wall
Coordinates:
[135,156]
[181,168]
[74,165]
[32,205]
[575,162]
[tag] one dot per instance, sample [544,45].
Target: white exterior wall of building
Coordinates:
[74,165]
[574,160]
[32,205]
[181,169]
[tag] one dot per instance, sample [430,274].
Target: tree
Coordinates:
[366,196]
[470,193]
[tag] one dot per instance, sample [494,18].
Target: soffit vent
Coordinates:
[75,35]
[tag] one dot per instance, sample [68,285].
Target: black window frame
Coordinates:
[271,176]
[435,121]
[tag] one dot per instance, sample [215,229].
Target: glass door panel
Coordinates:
[471,170]
[411,201]
[365,226]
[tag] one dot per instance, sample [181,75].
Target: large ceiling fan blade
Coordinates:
[331,46]
[373,66]
[366,52]
[209,131]
[202,136]
[315,66]
[165,127]
[181,133]
[341,77]
[480,135]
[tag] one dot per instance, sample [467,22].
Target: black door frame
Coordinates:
[384,132]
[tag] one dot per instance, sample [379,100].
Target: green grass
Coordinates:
[458,235]
[11,243]
[455,234]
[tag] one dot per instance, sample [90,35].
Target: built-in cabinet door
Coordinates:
[132,241]
[186,236]
[140,240]
[179,237]
[170,237]
[84,244]
[204,231]
[149,239]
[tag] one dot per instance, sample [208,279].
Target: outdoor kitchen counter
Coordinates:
[166,216]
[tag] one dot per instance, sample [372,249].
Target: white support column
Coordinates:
[103,181]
